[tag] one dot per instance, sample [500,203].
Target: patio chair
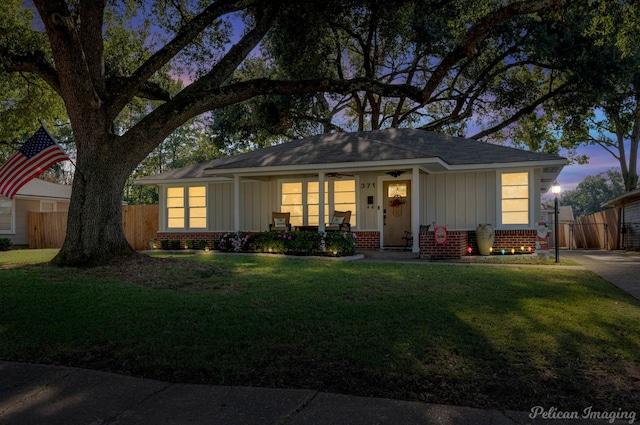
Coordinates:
[341,220]
[280,221]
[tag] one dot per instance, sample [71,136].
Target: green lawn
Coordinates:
[506,337]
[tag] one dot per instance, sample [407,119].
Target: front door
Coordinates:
[396,211]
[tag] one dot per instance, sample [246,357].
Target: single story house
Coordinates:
[35,196]
[393,181]
[629,204]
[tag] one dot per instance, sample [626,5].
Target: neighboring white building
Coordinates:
[35,196]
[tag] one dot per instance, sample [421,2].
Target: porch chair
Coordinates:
[408,236]
[280,221]
[341,220]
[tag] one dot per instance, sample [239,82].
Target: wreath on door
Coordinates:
[396,204]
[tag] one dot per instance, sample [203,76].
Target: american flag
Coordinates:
[32,159]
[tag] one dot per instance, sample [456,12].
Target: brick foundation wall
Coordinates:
[459,240]
[507,240]
[367,240]
[208,237]
[454,247]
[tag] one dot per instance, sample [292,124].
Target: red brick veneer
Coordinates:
[367,240]
[208,237]
[459,240]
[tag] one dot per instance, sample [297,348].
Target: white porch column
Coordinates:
[321,201]
[415,208]
[236,203]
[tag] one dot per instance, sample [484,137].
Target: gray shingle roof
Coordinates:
[366,146]
[38,188]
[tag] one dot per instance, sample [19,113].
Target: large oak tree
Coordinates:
[71,50]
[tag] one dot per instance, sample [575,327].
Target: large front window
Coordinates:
[515,198]
[302,200]
[187,207]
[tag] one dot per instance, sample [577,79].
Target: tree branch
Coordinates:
[184,37]
[186,105]
[522,112]
[478,31]
[34,62]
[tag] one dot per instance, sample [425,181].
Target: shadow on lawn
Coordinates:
[455,335]
[497,342]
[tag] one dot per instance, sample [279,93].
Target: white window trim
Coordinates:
[529,225]
[165,209]
[12,230]
[328,201]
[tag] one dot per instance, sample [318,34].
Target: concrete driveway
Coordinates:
[621,269]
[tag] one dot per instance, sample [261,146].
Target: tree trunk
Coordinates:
[94,226]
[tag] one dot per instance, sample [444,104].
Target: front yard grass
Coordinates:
[512,337]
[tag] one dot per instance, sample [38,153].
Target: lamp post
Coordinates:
[555,189]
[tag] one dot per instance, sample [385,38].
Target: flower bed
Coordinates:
[337,244]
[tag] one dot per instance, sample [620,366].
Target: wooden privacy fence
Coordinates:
[48,229]
[600,230]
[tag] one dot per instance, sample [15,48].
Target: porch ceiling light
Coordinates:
[395,173]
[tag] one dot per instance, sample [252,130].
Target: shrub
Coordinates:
[235,242]
[292,243]
[164,244]
[175,244]
[340,243]
[189,244]
[303,243]
[5,243]
[272,242]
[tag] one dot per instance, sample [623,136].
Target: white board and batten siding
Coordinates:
[254,201]
[459,200]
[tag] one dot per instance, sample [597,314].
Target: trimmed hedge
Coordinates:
[337,244]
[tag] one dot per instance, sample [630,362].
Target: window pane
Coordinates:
[515,217]
[176,213]
[176,223]
[175,202]
[515,179]
[291,199]
[313,198]
[344,186]
[344,198]
[509,205]
[397,189]
[175,192]
[197,191]
[291,188]
[515,192]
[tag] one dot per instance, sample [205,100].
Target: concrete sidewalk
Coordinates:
[54,395]
[32,394]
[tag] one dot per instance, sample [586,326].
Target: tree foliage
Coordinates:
[603,108]
[108,61]
[594,191]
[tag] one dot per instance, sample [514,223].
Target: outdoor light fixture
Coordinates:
[395,173]
[555,189]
